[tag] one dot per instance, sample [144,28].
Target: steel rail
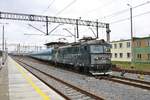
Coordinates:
[127,81]
[133,80]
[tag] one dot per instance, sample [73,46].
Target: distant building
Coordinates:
[121,50]
[24,49]
[141,50]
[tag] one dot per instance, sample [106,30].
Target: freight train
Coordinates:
[89,57]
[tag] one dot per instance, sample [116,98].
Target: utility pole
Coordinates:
[6,50]
[3,43]
[131,29]
[3,46]
[75,34]
[131,20]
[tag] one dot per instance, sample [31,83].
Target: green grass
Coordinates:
[127,65]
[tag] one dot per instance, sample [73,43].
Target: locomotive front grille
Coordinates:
[100,69]
[97,59]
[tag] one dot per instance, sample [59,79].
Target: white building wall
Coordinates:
[124,50]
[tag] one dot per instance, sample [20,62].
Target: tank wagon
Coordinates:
[92,57]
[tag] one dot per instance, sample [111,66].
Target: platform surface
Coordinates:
[4,94]
[20,84]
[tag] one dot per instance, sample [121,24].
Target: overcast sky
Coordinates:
[103,10]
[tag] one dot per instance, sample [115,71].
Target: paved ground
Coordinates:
[16,83]
[24,86]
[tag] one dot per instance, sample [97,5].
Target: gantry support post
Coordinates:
[108,33]
[46,25]
[97,28]
[77,28]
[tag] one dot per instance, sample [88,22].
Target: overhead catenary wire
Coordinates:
[121,20]
[95,9]
[59,12]
[125,10]
[71,3]
[51,3]
[36,28]
[43,12]
[66,7]
[116,13]
[54,28]
[141,4]
[92,31]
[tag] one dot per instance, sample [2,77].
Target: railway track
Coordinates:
[65,89]
[117,69]
[128,81]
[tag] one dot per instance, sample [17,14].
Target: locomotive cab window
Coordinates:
[85,48]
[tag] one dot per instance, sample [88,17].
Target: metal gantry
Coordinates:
[47,19]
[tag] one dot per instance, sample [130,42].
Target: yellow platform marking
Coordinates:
[29,80]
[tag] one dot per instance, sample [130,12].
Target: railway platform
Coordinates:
[16,83]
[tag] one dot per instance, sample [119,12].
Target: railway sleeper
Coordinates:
[72,91]
[84,97]
[75,94]
[80,97]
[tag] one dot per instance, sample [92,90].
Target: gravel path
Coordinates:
[107,89]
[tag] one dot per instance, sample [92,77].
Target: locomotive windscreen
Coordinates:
[96,49]
[99,49]
[100,54]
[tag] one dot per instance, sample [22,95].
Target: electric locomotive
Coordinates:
[92,56]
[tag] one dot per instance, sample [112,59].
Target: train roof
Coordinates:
[90,42]
[102,41]
[49,50]
[53,43]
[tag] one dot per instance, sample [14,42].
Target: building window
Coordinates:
[128,55]
[128,45]
[120,45]
[148,56]
[121,55]
[115,46]
[115,55]
[148,42]
[139,56]
[138,43]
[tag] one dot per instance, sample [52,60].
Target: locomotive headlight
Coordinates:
[96,58]
[107,49]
